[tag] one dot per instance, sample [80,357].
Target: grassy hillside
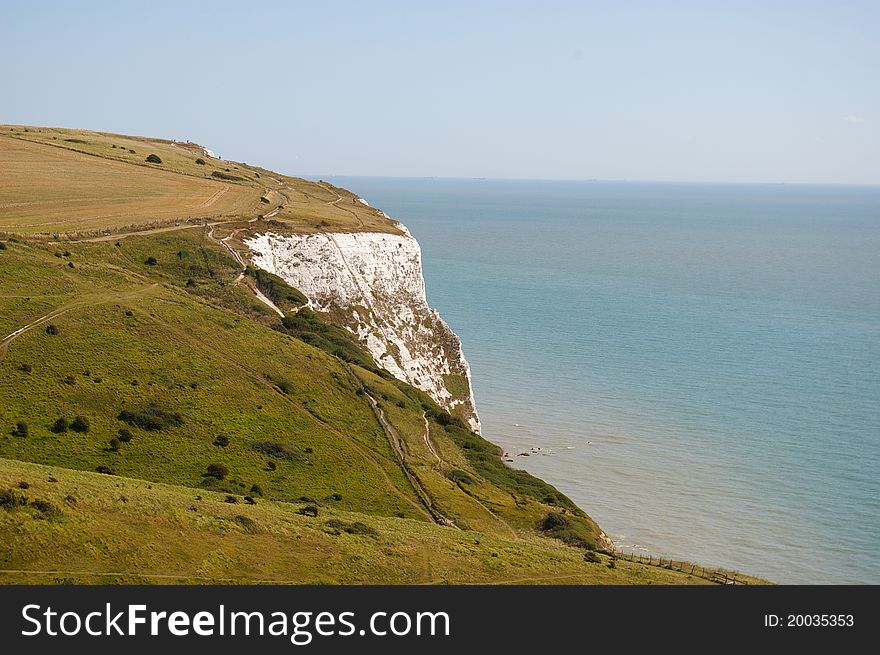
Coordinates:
[60,181]
[146,377]
[92,528]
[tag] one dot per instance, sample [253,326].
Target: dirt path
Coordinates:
[428,441]
[155,230]
[394,438]
[214,198]
[82,301]
[339,199]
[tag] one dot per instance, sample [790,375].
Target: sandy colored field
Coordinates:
[63,181]
[46,188]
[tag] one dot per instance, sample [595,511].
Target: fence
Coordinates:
[719,576]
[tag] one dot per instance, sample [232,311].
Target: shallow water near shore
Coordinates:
[699,364]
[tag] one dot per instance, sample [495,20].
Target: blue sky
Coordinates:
[704,91]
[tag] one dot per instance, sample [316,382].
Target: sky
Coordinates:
[766,91]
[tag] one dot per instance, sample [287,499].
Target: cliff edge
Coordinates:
[372,284]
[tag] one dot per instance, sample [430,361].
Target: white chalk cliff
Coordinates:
[373,284]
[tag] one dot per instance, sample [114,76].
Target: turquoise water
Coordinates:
[701,362]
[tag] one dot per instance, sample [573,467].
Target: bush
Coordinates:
[69,380]
[219,471]
[231,499]
[309,510]
[275,287]
[52,329]
[246,522]
[106,470]
[336,497]
[226,176]
[151,261]
[24,485]
[277,450]
[46,509]
[554,521]
[200,161]
[271,466]
[125,435]
[459,476]
[25,368]
[153,159]
[222,440]
[250,500]
[60,425]
[2,245]
[151,418]
[79,424]
[591,557]
[357,528]
[115,444]
[21,429]
[257,490]
[10,499]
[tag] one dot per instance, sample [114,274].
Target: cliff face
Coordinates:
[373,285]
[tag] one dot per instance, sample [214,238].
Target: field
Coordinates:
[78,182]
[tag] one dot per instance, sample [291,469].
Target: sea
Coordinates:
[695,365]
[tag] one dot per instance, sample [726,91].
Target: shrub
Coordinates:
[2,245]
[151,418]
[115,444]
[554,521]
[70,500]
[9,499]
[277,450]
[69,380]
[24,485]
[25,368]
[79,424]
[60,425]
[250,500]
[336,497]
[309,510]
[222,440]
[151,261]
[591,557]
[357,528]
[246,522]
[21,429]
[256,489]
[226,176]
[275,287]
[125,435]
[271,466]
[231,499]
[200,161]
[52,329]
[106,470]
[219,471]
[46,509]
[153,159]
[460,477]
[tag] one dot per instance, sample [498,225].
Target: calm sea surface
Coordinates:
[701,363]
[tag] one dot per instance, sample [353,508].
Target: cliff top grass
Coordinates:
[83,183]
